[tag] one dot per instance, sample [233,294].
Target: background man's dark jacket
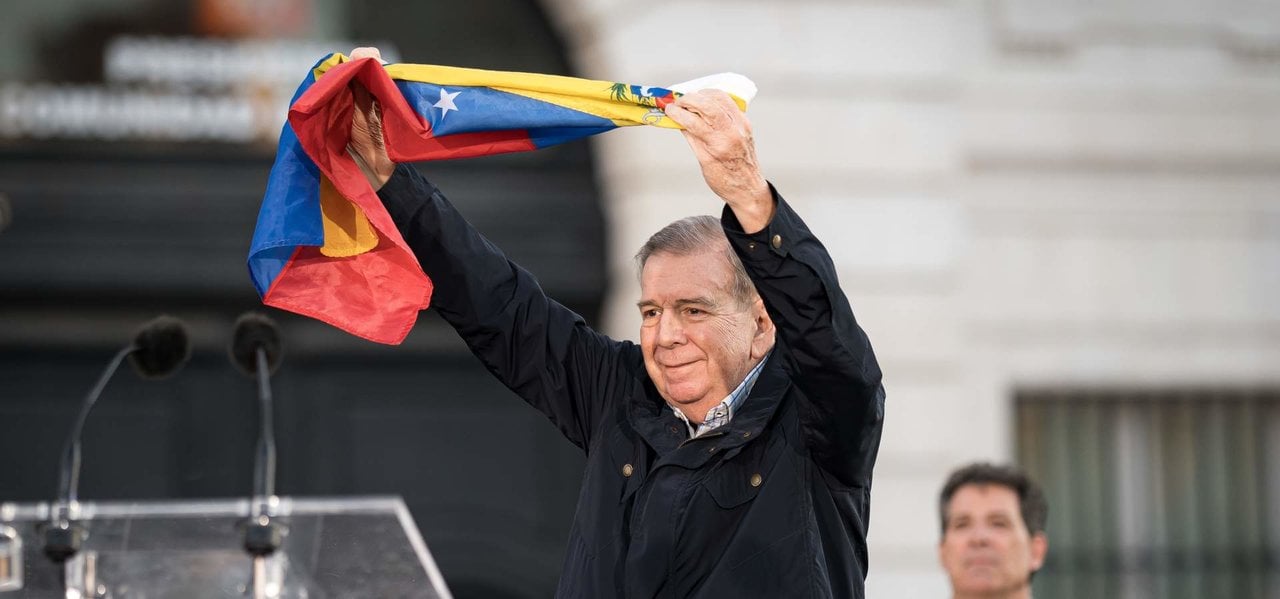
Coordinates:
[774,504]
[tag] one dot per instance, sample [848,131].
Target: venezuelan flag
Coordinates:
[325,247]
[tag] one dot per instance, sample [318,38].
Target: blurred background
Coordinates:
[1059,222]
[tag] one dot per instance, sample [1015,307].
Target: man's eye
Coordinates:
[694,311]
[648,313]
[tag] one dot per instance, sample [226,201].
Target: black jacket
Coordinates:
[774,504]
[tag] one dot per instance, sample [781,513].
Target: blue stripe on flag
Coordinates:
[485,109]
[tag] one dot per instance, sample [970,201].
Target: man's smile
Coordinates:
[675,365]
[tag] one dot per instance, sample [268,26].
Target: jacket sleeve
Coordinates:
[538,348]
[824,350]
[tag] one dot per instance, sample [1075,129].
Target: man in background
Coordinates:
[993,531]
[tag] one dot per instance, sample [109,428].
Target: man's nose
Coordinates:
[670,329]
[980,536]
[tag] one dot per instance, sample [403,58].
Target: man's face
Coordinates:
[699,342]
[986,548]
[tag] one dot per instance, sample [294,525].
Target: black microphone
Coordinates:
[256,351]
[159,349]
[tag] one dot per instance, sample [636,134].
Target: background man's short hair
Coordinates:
[696,234]
[1031,500]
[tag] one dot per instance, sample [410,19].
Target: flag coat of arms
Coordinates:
[324,246]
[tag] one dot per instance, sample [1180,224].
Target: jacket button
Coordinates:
[777,241]
[756,479]
[627,470]
[746,434]
[751,245]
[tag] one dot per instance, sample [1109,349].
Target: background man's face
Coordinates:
[986,547]
[696,337]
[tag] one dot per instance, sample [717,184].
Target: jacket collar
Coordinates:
[652,418]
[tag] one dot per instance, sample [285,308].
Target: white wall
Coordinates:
[1015,192]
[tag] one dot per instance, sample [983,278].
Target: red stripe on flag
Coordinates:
[381,308]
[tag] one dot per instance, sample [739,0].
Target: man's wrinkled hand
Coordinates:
[720,136]
[366,145]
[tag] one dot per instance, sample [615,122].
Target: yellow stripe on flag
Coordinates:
[347,232]
[334,60]
[621,113]
[554,84]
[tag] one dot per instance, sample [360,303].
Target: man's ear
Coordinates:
[1039,548]
[763,339]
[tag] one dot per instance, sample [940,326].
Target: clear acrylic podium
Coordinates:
[351,547]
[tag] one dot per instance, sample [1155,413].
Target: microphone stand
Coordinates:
[63,535]
[263,536]
[264,468]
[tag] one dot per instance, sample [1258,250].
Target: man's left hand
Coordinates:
[720,136]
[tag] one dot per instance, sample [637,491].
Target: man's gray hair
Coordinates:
[694,235]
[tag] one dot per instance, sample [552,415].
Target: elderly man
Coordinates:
[993,532]
[730,453]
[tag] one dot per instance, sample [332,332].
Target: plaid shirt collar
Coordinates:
[722,413]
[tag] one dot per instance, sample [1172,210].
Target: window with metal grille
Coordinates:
[1166,493]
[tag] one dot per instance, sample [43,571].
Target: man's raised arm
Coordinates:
[537,347]
[824,349]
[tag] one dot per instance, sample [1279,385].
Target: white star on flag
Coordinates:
[446,102]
